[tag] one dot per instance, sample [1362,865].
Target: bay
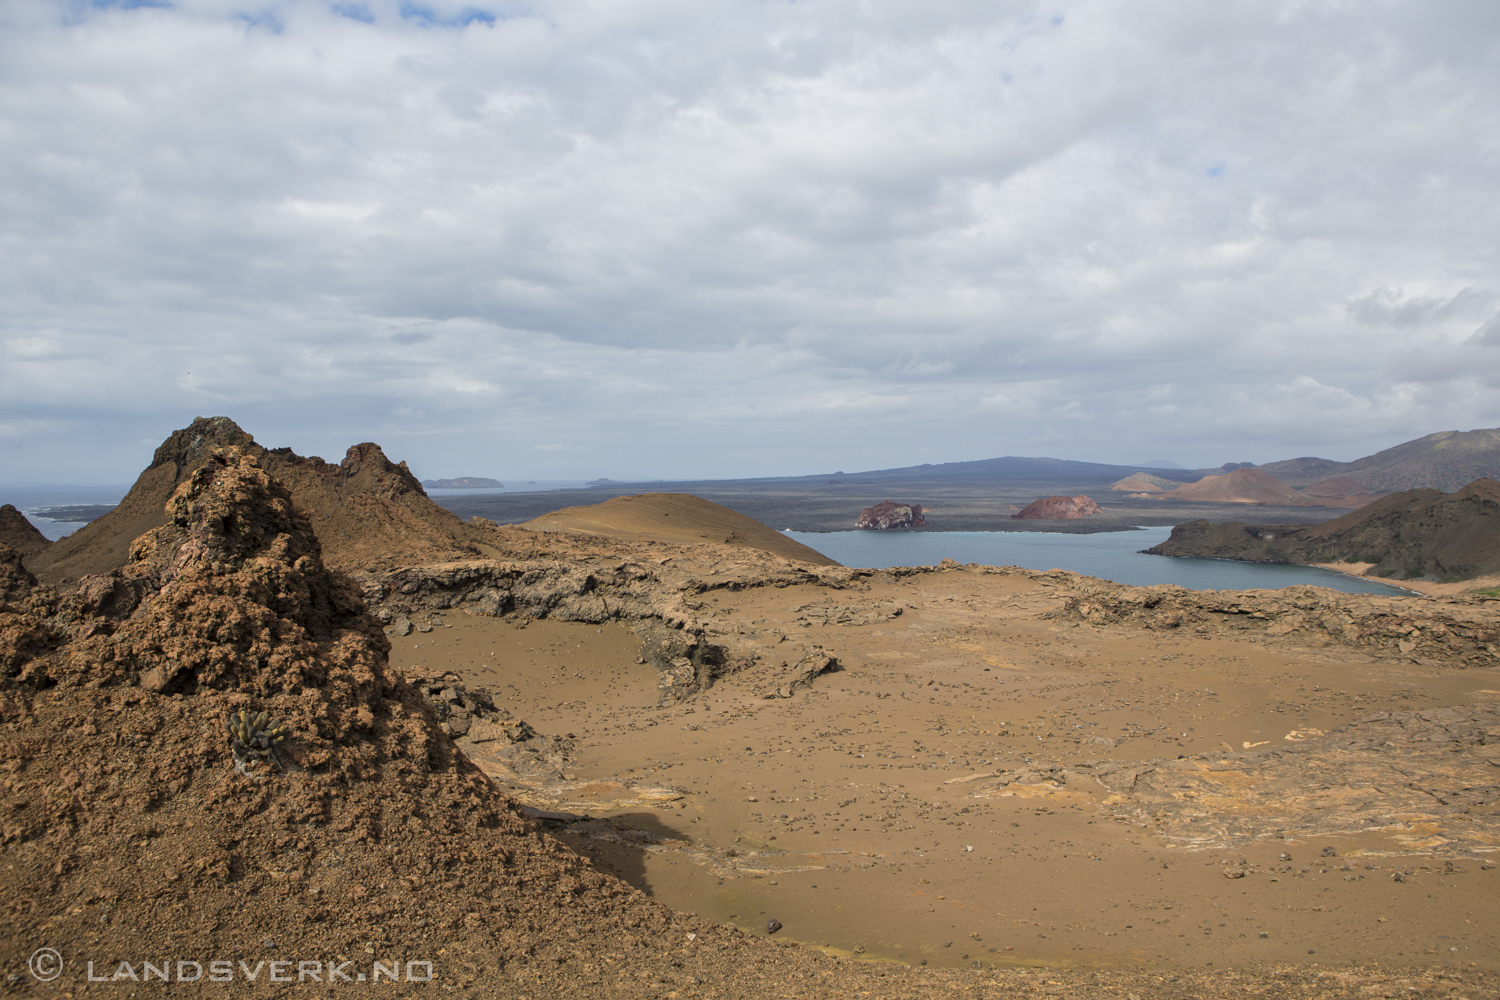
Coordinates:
[1111,555]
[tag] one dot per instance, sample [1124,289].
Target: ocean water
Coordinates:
[519,486]
[29,499]
[1112,555]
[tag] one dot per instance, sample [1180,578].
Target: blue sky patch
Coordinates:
[425,15]
[353,11]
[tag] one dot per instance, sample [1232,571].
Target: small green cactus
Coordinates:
[253,738]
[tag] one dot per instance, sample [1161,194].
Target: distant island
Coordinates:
[463,483]
[1412,535]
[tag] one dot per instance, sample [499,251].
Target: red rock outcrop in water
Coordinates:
[889,514]
[1058,509]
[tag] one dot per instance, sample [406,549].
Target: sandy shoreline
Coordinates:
[1425,588]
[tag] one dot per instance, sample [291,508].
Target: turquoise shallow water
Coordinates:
[1112,555]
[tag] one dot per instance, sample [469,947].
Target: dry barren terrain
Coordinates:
[983,782]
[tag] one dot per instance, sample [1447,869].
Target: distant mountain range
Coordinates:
[1447,461]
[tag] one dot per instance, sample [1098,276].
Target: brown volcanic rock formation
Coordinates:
[677,518]
[103,544]
[128,803]
[888,514]
[1058,509]
[19,533]
[1239,486]
[1415,533]
[15,580]
[368,512]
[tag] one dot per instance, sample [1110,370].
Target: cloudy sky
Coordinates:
[682,238]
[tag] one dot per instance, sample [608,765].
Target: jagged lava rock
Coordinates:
[15,581]
[1057,508]
[888,514]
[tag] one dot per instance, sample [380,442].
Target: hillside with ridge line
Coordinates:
[1408,535]
[1443,461]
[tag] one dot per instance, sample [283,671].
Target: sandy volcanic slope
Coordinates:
[675,517]
[1072,759]
[1239,486]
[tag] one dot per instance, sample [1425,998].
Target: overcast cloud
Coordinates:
[659,238]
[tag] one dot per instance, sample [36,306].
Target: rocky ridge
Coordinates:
[367,510]
[1442,461]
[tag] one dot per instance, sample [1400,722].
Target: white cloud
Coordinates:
[749,238]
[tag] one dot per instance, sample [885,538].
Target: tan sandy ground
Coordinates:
[679,518]
[1420,586]
[864,813]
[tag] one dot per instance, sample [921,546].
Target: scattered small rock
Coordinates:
[773,925]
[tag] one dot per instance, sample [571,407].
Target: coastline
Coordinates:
[1425,588]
